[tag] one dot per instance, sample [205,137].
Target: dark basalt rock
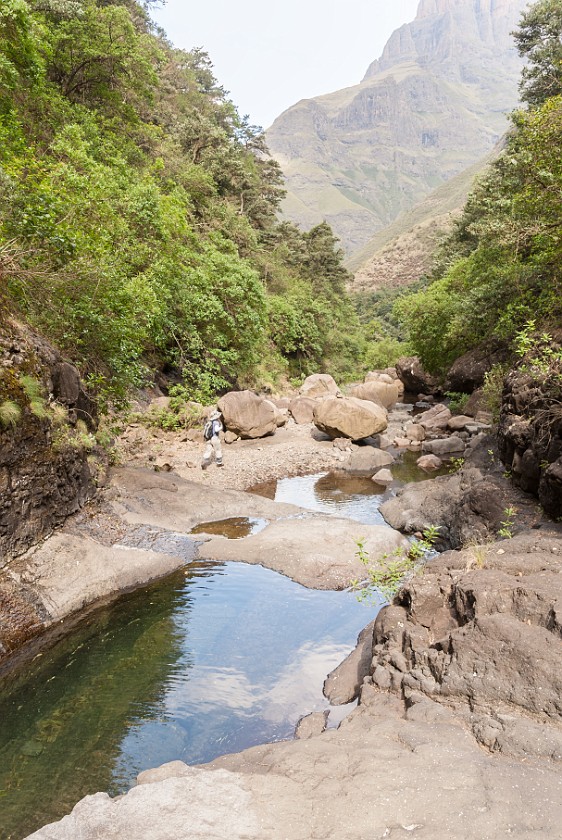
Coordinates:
[40,484]
[468,371]
[416,380]
[530,436]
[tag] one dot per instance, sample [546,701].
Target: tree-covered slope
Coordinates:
[138,211]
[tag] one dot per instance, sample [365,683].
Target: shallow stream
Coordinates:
[216,658]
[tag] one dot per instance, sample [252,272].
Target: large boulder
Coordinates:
[247,414]
[281,414]
[349,417]
[377,391]
[435,419]
[416,380]
[444,446]
[468,371]
[389,375]
[318,385]
[302,409]
[367,461]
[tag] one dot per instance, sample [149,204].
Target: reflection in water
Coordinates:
[336,493]
[343,495]
[406,470]
[234,528]
[215,659]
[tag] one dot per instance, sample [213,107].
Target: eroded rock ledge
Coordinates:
[479,631]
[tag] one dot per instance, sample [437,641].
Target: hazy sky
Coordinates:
[271,55]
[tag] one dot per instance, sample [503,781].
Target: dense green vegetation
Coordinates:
[138,222]
[501,267]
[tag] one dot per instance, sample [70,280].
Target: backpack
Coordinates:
[208,430]
[211,427]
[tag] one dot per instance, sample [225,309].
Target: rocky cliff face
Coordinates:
[44,469]
[434,103]
[530,434]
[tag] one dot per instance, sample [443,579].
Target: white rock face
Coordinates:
[160,810]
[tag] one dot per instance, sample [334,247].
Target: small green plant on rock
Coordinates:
[457,401]
[507,524]
[34,392]
[10,414]
[455,464]
[537,351]
[385,575]
[492,389]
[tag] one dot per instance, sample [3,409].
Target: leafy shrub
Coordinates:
[385,576]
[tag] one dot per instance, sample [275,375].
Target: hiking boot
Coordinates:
[205,464]
[220,464]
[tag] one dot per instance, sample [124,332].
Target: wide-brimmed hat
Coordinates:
[214,415]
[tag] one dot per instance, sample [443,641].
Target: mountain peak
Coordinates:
[455,31]
[434,103]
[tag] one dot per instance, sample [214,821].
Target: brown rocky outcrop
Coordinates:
[40,483]
[467,506]
[480,631]
[416,380]
[349,417]
[247,414]
[530,435]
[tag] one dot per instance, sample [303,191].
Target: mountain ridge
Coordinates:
[433,104]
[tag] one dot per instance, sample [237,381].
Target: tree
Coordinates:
[19,58]
[539,40]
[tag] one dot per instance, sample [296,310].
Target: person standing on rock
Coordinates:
[211,432]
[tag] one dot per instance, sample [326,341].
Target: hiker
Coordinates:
[211,432]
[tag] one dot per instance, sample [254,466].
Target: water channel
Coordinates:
[216,658]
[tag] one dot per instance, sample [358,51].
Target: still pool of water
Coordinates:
[343,495]
[216,658]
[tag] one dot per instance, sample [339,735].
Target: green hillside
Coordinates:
[138,225]
[402,253]
[434,104]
